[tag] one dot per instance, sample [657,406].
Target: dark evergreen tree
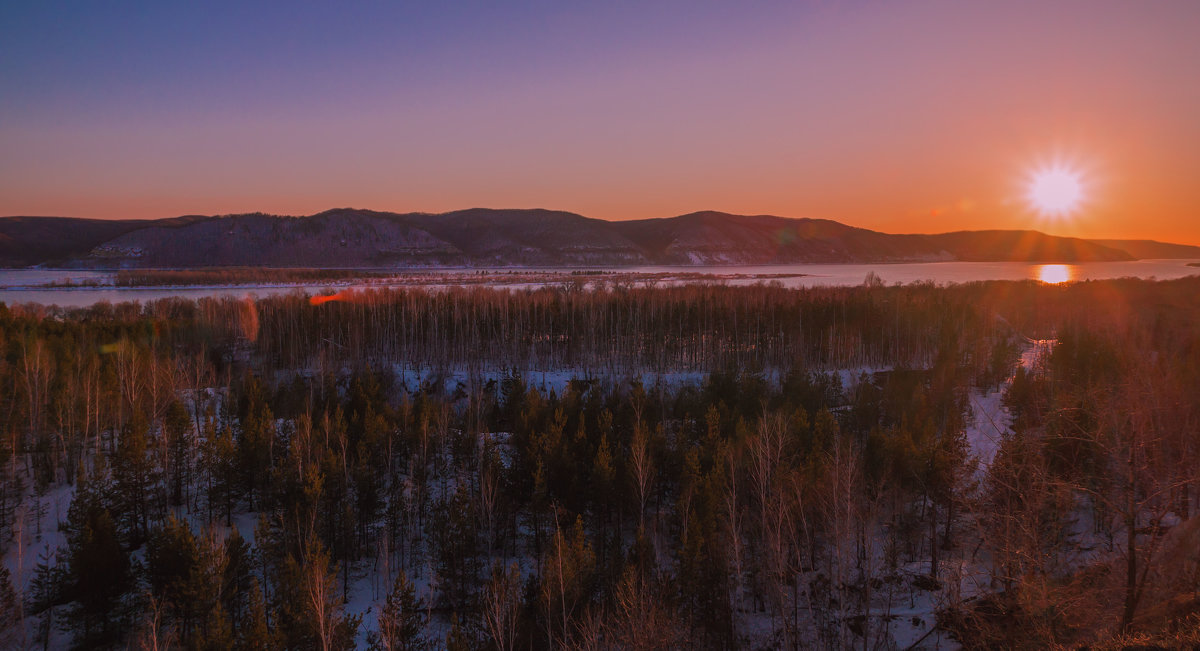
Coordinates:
[11,609]
[136,476]
[99,577]
[455,542]
[253,634]
[177,428]
[176,577]
[401,621]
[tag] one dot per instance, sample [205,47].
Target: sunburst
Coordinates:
[1056,191]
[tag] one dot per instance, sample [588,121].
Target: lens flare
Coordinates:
[347,295]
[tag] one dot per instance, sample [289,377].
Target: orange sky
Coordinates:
[920,116]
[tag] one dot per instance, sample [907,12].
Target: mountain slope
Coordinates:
[485,237]
[335,238]
[529,237]
[721,238]
[1025,246]
[1149,249]
[28,241]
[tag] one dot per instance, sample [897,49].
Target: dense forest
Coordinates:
[990,465]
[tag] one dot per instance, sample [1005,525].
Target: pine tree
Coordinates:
[220,465]
[173,569]
[135,475]
[454,538]
[177,428]
[46,592]
[400,619]
[253,633]
[310,610]
[218,634]
[603,484]
[237,573]
[457,638]
[99,578]
[10,607]
[567,580]
[254,451]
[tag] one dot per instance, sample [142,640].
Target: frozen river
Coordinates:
[31,285]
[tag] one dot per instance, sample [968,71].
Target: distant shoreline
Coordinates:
[376,279]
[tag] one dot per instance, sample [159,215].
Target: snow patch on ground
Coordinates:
[852,376]
[1036,353]
[36,532]
[990,420]
[990,424]
[37,539]
[544,380]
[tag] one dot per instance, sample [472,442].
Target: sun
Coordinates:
[1055,191]
[1053,274]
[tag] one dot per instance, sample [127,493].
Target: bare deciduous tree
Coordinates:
[502,605]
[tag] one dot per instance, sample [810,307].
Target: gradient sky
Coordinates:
[915,116]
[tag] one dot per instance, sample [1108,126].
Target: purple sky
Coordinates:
[901,116]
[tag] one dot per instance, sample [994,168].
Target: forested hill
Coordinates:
[1152,249]
[486,237]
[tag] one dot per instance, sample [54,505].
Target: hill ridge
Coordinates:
[356,237]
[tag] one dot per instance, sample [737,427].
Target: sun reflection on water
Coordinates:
[1054,274]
